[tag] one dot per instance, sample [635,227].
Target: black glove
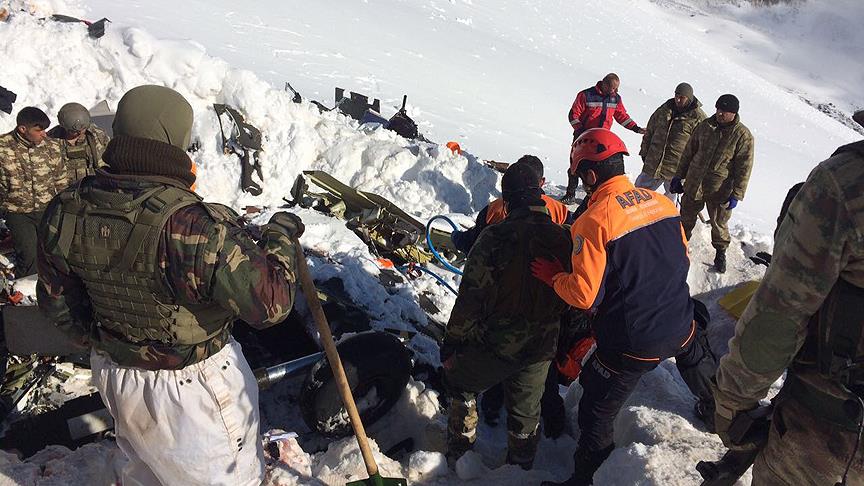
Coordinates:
[446,351]
[676,186]
[747,430]
[289,224]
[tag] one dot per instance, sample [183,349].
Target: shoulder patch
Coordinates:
[578,243]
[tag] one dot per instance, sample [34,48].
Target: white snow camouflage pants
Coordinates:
[190,427]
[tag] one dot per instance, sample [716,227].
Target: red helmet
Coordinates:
[595,145]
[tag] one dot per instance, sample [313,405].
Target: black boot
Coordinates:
[705,413]
[572,184]
[720,261]
[586,464]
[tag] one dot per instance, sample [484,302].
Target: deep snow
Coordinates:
[495,76]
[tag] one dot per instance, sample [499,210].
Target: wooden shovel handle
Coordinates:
[311,293]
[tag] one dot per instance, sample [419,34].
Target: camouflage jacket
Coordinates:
[717,161]
[30,175]
[821,240]
[500,306]
[202,261]
[83,158]
[667,134]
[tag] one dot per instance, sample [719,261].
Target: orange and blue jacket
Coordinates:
[630,267]
[495,212]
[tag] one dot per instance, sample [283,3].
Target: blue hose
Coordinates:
[438,257]
[405,268]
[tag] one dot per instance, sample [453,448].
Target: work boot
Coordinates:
[521,449]
[705,413]
[461,428]
[720,261]
[570,194]
[586,464]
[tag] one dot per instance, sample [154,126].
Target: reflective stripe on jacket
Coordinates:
[630,265]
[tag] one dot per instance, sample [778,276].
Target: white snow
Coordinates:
[495,76]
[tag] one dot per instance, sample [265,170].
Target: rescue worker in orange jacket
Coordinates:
[495,212]
[630,267]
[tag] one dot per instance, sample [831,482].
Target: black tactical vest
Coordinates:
[110,240]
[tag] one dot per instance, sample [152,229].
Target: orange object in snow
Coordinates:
[454,147]
[384,262]
[195,173]
[572,366]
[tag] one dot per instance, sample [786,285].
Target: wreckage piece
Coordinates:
[496,166]
[29,331]
[380,223]
[402,124]
[297,98]
[355,105]
[94,29]
[7,99]
[244,141]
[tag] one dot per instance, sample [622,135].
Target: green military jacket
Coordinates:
[821,241]
[668,131]
[501,306]
[83,158]
[30,175]
[717,161]
[205,259]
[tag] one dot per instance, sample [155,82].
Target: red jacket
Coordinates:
[595,110]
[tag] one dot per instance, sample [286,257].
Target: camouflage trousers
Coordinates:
[804,450]
[717,214]
[473,370]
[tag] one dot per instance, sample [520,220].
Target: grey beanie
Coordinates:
[155,113]
[684,89]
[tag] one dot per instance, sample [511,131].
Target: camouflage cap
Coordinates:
[155,113]
[73,117]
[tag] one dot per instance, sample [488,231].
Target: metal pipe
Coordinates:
[267,377]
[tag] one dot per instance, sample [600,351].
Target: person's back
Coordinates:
[135,265]
[643,306]
[804,319]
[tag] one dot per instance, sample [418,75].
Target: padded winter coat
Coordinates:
[668,133]
[717,161]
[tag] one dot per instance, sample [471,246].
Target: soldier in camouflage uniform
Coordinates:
[504,326]
[81,141]
[805,319]
[31,173]
[666,135]
[714,171]
[135,265]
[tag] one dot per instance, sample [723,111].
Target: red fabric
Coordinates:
[572,365]
[587,111]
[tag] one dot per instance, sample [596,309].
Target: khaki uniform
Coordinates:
[668,131]
[715,166]
[83,158]
[819,246]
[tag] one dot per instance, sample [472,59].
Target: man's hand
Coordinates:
[640,130]
[742,430]
[731,203]
[544,270]
[289,224]
[676,186]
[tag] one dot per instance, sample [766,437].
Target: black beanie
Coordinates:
[727,103]
[520,185]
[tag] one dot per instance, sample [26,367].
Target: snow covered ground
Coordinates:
[495,76]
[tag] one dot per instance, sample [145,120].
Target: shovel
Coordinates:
[311,294]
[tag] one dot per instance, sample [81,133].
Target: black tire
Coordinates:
[372,360]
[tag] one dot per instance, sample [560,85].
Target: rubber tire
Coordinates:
[371,359]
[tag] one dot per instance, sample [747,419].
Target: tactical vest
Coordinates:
[82,156]
[110,240]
